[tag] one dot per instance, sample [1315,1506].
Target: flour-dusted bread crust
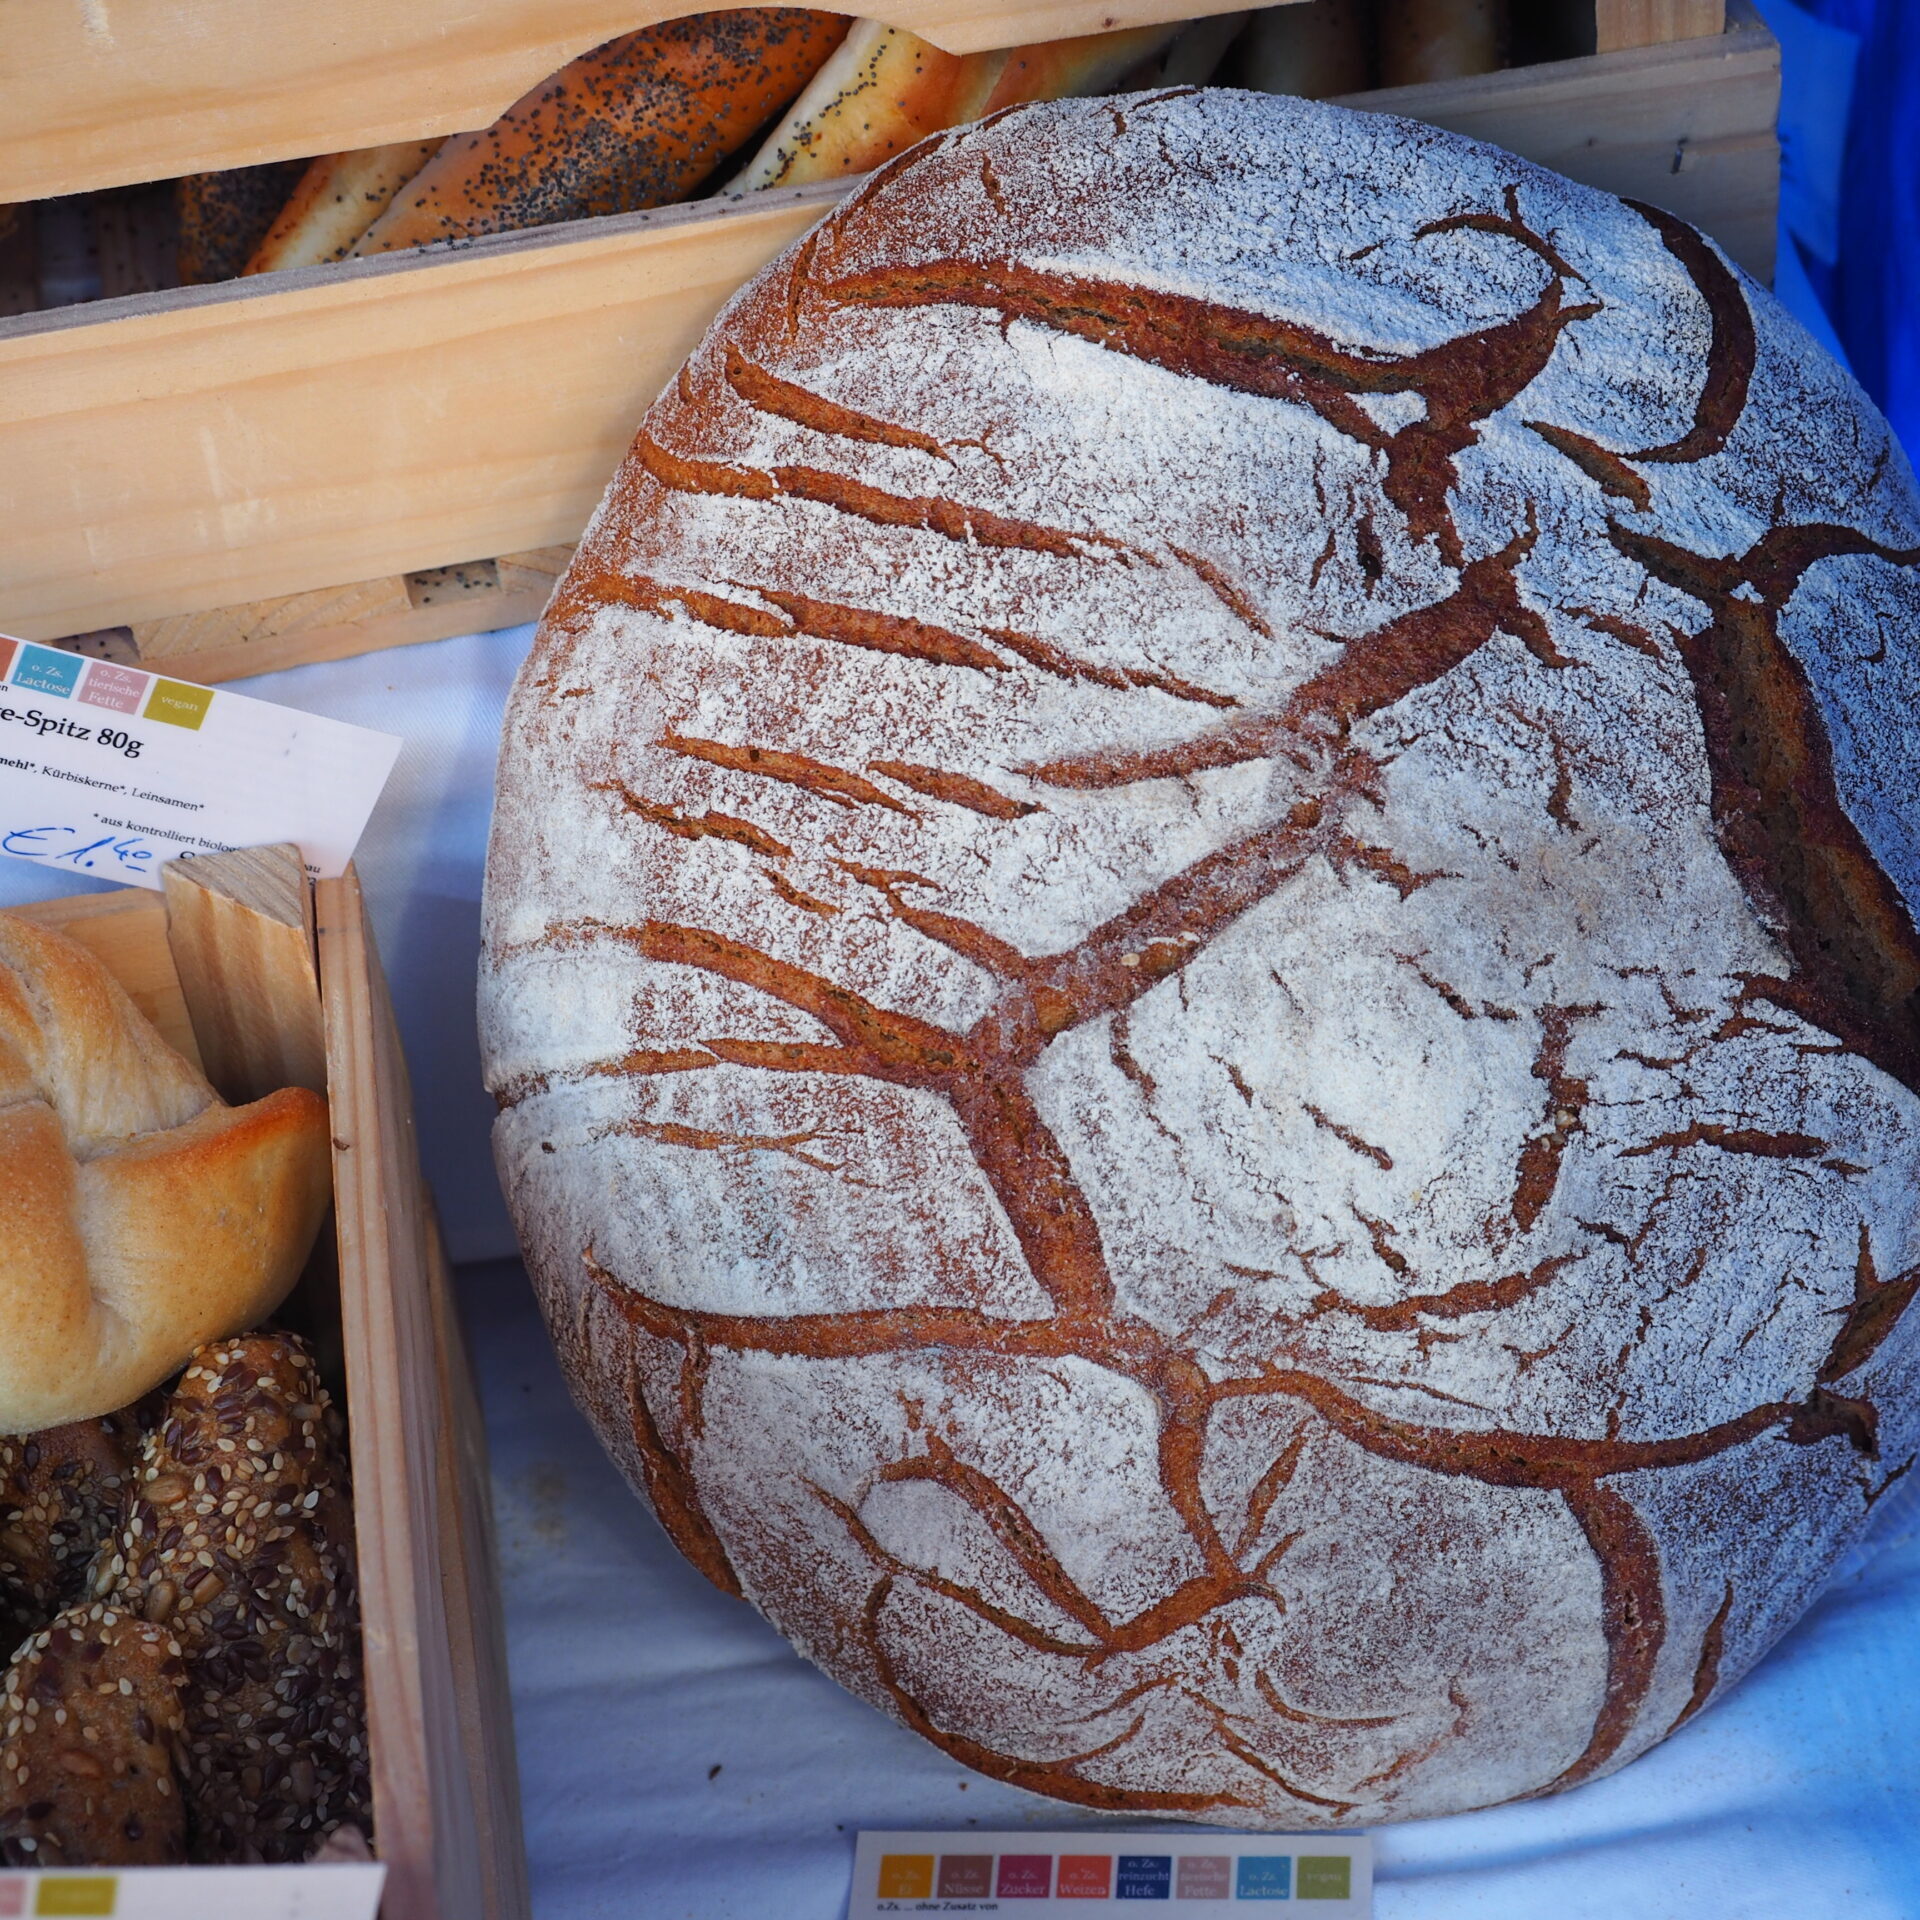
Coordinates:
[1201,966]
[140,1215]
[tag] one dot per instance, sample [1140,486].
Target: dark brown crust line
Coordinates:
[1738,666]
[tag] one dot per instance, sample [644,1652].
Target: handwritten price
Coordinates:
[55,846]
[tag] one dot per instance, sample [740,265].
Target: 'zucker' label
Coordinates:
[109,771]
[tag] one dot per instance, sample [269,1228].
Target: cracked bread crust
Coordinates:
[1201,961]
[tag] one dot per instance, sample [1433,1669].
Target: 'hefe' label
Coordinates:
[110,771]
[1195,1876]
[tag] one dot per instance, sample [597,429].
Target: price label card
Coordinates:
[343,1892]
[110,771]
[1196,1876]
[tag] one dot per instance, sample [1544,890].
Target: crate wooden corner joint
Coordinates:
[265,981]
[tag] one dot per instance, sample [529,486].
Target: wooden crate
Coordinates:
[187,478]
[265,982]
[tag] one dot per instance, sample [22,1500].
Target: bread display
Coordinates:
[142,1215]
[635,123]
[1200,961]
[204,1703]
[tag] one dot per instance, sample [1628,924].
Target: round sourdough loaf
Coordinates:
[140,1215]
[1201,966]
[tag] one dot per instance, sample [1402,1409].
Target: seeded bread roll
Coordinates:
[239,1541]
[1200,961]
[140,1214]
[636,123]
[60,1495]
[91,1746]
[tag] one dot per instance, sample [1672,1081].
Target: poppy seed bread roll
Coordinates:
[636,123]
[1200,961]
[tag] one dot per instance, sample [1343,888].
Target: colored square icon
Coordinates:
[13,1893]
[1263,1876]
[965,1876]
[179,704]
[906,1876]
[1326,1876]
[1143,1876]
[117,688]
[73,1897]
[1203,1876]
[1085,1876]
[8,648]
[1025,1876]
[43,671]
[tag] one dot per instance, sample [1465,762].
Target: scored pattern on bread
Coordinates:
[1201,961]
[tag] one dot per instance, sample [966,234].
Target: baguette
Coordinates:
[886,88]
[635,123]
[339,197]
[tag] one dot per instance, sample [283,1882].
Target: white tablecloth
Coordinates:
[678,1759]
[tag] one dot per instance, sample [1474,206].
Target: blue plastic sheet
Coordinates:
[1850,191]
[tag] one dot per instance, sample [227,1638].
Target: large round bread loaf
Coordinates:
[1201,961]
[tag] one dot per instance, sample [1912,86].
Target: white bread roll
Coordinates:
[140,1215]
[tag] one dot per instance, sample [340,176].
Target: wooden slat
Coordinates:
[336,623]
[1689,127]
[98,93]
[276,436]
[127,931]
[441,1813]
[476,1623]
[1619,24]
[240,926]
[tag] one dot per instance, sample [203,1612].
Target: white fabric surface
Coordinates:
[1796,1798]
[1792,1799]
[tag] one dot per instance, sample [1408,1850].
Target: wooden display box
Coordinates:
[266,982]
[187,478]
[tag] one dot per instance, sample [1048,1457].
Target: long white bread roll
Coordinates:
[339,197]
[885,89]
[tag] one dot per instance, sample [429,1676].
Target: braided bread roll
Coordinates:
[1201,961]
[140,1214]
